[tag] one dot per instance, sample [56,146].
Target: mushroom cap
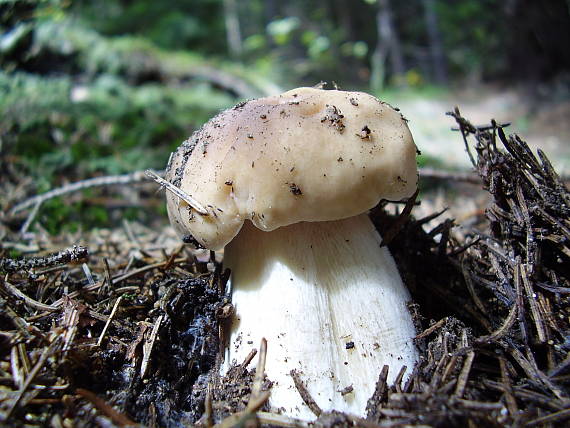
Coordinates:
[305,155]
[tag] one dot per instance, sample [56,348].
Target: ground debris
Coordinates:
[75,254]
[133,333]
[124,339]
[494,350]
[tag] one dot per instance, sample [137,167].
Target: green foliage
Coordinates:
[57,214]
[395,95]
[168,24]
[425,160]
[111,86]
[14,254]
[106,125]
[481,49]
[282,29]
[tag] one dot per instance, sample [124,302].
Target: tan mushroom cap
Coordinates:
[305,155]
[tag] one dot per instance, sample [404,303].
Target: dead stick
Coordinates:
[74,254]
[240,419]
[15,292]
[305,395]
[431,329]
[117,417]
[197,206]
[438,174]
[148,345]
[33,373]
[281,420]
[502,330]
[241,368]
[464,375]
[108,323]
[548,419]
[111,180]
[259,374]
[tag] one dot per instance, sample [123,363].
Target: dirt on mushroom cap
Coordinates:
[280,155]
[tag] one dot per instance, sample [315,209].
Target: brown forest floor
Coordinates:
[126,329]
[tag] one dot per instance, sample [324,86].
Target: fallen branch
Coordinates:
[75,254]
[440,174]
[111,180]
[141,176]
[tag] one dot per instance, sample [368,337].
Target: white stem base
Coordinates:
[311,289]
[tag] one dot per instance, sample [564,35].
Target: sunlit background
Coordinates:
[92,88]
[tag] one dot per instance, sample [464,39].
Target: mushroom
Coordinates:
[284,184]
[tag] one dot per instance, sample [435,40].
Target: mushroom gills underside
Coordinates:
[331,304]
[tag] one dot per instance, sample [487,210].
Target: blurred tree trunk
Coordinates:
[344,14]
[387,47]
[272,9]
[538,38]
[233,32]
[435,46]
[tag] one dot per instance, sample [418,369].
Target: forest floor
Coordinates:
[127,328]
[545,125]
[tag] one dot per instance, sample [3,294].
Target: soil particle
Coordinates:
[184,152]
[240,105]
[189,239]
[364,133]
[295,189]
[333,117]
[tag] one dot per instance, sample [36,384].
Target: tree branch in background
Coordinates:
[439,65]
[141,176]
[225,81]
[440,174]
[111,180]
[387,47]
[233,32]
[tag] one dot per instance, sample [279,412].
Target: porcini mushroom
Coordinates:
[286,182]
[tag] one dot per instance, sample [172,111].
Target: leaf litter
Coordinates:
[127,329]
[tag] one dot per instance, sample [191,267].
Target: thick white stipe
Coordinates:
[331,304]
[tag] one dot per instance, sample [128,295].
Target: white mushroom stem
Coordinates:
[331,304]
